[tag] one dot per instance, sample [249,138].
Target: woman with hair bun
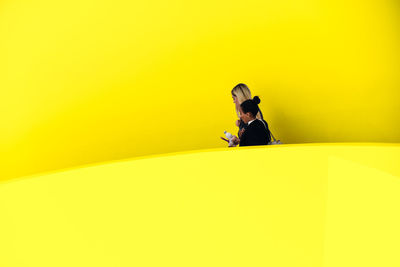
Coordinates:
[256,131]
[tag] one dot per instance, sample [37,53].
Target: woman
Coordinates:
[241,93]
[256,132]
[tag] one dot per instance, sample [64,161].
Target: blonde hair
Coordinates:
[242,92]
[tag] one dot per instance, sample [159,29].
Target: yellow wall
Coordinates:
[84,81]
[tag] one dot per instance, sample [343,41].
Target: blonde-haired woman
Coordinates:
[241,93]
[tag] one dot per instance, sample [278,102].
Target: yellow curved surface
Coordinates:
[303,205]
[85,81]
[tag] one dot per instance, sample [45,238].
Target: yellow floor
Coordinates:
[289,205]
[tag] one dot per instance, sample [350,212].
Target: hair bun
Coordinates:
[257,100]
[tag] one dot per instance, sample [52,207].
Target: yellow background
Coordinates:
[88,81]
[83,82]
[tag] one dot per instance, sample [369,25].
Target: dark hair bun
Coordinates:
[256,100]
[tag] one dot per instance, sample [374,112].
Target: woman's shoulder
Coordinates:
[261,125]
[260,122]
[255,125]
[264,123]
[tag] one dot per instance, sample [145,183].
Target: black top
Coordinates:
[255,134]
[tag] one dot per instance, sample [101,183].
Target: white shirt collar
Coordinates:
[250,122]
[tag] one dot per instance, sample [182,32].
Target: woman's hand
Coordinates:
[241,132]
[235,140]
[237,123]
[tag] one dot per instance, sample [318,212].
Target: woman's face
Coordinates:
[235,99]
[245,117]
